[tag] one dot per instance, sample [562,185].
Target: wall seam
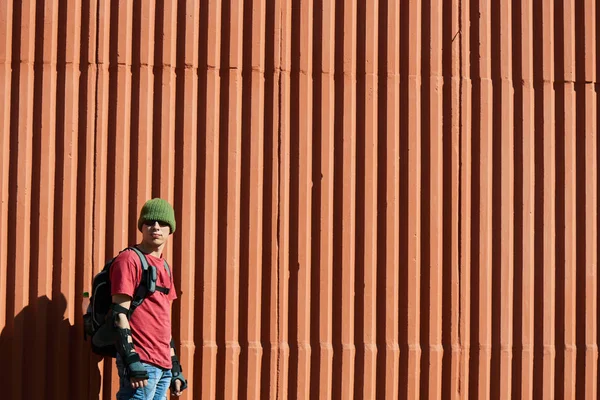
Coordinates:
[459,188]
[278,235]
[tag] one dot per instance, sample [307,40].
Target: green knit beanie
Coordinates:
[157,210]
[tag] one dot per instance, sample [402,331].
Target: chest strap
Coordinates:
[162,289]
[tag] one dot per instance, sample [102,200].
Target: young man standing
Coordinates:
[146,359]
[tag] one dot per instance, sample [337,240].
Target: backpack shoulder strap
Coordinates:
[142,289]
[167,267]
[141,256]
[163,289]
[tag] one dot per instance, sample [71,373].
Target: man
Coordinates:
[146,359]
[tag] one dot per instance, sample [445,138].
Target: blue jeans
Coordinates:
[158,383]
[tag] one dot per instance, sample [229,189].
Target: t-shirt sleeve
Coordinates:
[124,275]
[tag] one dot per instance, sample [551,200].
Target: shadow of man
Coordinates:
[44,356]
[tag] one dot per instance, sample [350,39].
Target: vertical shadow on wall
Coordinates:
[12,353]
[180,143]
[359,283]
[403,202]
[199,282]
[517,365]
[36,171]
[425,240]
[382,89]
[581,250]
[316,260]
[222,267]
[134,135]
[38,344]
[245,212]
[338,202]
[497,170]
[59,336]
[449,86]
[111,142]
[159,76]
[475,356]
[15,94]
[270,167]
[381,203]
[88,382]
[294,262]
[559,73]
[538,57]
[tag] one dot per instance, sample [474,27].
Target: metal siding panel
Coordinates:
[527,206]
[303,155]
[255,204]
[567,177]
[272,177]
[432,151]
[485,211]
[185,243]
[211,210]
[284,199]
[367,195]
[233,175]
[413,152]
[452,169]
[142,124]
[320,169]
[165,88]
[6,38]
[346,140]
[326,187]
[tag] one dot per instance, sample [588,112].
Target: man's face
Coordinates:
[155,233]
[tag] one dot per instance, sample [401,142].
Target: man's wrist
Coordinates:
[177,374]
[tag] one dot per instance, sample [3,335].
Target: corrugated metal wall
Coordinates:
[375,199]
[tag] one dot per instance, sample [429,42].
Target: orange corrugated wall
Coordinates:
[375,199]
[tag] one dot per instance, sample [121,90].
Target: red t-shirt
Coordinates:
[151,321]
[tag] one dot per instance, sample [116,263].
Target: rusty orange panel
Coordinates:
[374,199]
[6,39]
[388,280]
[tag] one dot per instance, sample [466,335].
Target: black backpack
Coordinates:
[95,324]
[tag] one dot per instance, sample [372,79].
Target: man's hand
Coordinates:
[177,389]
[138,382]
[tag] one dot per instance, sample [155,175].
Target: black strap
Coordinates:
[119,309]
[163,290]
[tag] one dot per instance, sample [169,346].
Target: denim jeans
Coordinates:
[158,383]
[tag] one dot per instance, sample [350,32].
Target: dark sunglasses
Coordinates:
[160,223]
